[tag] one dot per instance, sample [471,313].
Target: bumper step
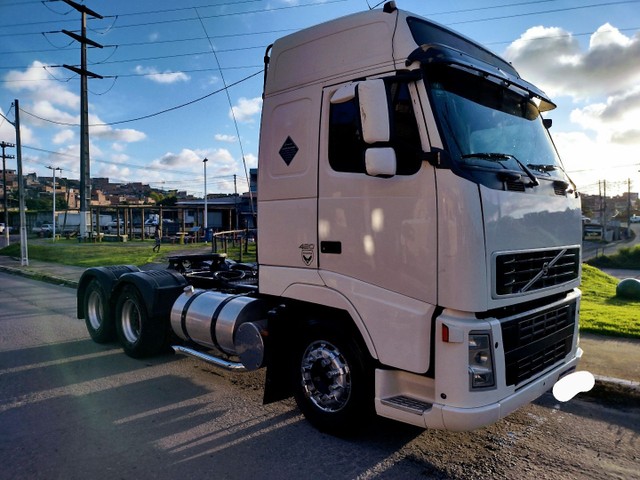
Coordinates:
[407,404]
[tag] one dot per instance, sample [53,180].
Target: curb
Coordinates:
[615,390]
[39,276]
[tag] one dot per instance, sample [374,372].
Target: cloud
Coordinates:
[252,160]
[162,77]
[246,109]
[226,138]
[616,119]
[8,131]
[41,86]
[602,79]
[552,58]
[127,135]
[628,137]
[187,158]
[63,136]
[44,108]
[46,99]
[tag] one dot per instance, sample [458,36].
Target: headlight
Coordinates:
[481,361]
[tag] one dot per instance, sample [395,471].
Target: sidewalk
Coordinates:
[615,362]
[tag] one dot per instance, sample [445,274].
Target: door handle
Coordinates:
[331,247]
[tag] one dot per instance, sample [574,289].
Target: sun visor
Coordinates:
[436,54]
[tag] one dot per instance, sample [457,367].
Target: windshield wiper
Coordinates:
[543,168]
[496,157]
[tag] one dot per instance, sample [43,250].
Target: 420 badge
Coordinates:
[307,252]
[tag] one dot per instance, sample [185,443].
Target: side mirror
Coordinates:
[344,93]
[374,111]
[380,162]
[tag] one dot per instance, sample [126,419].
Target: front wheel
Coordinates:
[333,383]
[139,334]
[97,313]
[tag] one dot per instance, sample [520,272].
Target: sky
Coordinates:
[162,106]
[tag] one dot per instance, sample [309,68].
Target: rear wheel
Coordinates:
[333,383]
[139,334]
[97,313]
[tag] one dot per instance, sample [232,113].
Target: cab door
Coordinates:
[376,196]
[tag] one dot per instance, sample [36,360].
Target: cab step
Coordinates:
[407,404]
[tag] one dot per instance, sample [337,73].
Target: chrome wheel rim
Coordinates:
[326,377]
[131,321]
[95,310]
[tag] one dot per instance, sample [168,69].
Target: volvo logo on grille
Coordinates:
[544,271]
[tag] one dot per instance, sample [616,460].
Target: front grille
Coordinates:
[515,186]
[560,189]
[534,270]
[536,342]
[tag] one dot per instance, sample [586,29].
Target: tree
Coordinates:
[169,201]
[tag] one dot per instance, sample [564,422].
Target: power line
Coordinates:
[564,35]
[556,10]
[125,75]
[144,117]
[161,42]
[109,162]
[192,19]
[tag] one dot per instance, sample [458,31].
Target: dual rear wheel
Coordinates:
[138,333]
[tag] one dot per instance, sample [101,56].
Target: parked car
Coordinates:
[635,219]
[44,230]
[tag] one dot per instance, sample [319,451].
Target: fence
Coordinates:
[233,237]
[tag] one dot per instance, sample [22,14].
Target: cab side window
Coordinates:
[347,147]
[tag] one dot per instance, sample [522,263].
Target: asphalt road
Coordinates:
[72,409]
[593,249]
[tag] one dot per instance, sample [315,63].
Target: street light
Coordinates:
[54,200]
[204,162]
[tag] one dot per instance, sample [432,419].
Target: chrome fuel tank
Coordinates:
[212,318]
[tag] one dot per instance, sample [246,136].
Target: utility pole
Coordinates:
[604,214]
[4,183]
[235,201]
[24,252]
[85,171]
[53,169]
[628,207]
[206,213]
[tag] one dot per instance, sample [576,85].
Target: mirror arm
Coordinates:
[437,157]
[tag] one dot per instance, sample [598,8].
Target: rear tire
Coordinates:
[97,313]
[333,381]
[138,333]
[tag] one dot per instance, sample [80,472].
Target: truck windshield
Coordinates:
[488,126]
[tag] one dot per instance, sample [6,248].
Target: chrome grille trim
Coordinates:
[518,273]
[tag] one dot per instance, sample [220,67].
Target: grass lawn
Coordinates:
[71,252]
[601,311]
[627,257]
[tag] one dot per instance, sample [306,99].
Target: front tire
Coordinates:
[333,382]
[97,313]
[138,333]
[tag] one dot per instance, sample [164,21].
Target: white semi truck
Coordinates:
[419,241]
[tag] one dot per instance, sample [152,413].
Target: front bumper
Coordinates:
[426,413]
